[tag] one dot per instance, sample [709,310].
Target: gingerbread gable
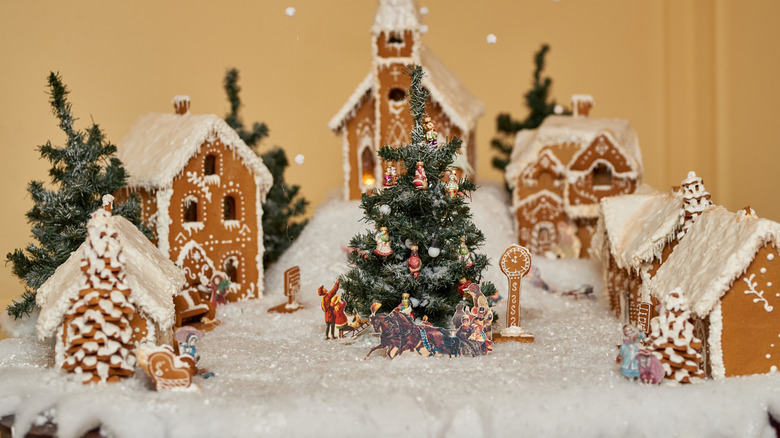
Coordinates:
[602,150]
[546,162]
[153,279]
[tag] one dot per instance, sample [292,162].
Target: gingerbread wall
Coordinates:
[211,234]
[536,221]
[359,128]
[751,323]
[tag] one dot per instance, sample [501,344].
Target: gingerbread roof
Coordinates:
[396,15]
[638,225]
[456,101]
[716,250]
[158,147]
[152,278]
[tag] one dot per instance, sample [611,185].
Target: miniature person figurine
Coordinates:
[390,177]
[464,255]
[406,306]
[340,317]
[219,286]
[420,179]
[414,262]
[326,302]
[481,308]
[382,239]
[627,357]
[463,284]
[430,131]
[452,185]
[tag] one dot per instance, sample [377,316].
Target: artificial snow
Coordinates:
[299,159]
[290,12]
[491,39]
[277,376]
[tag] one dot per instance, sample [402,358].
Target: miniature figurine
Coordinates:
[628,351]
[481,309]
[452,185]
[382,239]
[464,255]
[420,179]
[219,287]
[414,262]
[391,180]
[463,284]
[326,302]
[651,371]
[405,307]
[431,136]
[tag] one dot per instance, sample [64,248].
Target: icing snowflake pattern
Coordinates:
[759,294]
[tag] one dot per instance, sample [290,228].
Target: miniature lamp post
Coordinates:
[515,262]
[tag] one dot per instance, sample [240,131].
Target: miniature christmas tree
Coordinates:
[416,214]
[672,340]
[536,99]
[82,171]
[696,199]
[98,337]
[283,203]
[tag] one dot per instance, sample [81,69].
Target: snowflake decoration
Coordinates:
[290,12]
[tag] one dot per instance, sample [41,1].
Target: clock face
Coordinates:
[516,261]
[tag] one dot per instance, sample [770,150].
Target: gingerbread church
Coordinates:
[377,113]
[560,171]
[113,294]
[202,190]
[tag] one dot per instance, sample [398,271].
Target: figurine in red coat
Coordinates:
[414,262]
[326,303]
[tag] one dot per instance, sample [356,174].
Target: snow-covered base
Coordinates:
[277,376]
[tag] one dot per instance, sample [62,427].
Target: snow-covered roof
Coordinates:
[715,251]
[396,15]
[640,225]
[158,147]
[456,101]
[153,279]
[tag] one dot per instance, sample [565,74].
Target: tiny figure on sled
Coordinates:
[337,323]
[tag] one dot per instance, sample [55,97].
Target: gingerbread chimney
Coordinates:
[582,103]
[108,203]
[181,104]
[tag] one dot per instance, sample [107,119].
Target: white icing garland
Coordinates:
[759,294]
[717,367]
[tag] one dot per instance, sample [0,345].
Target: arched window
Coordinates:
[229,208]
[396,94]
[367,167]
[602,176]
[231,269]
[190,209]
[210,165]
[396,38]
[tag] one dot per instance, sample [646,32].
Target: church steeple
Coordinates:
[396,30]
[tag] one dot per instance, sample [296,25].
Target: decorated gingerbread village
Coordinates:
[377,112]
[559,172]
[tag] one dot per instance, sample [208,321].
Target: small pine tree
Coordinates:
[536,99]
[672,340]
[283,203]
[416,218]
[83,170]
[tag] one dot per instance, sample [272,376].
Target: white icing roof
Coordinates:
[458,104]
[715,251]
[153,279]
[396,15]
[159,146]
[639,225]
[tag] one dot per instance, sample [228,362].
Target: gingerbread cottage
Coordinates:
[728,268]
[635,235]
[113,294]
[560,171]
[202,190]
[377,113]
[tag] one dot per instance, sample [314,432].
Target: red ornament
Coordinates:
[414,262]
[463,284]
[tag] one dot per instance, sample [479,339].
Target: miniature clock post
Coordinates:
[515,262]
[292,285]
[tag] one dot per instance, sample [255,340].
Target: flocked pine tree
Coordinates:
[417,213]
[536,99]
[673,342]
[83,170]
[283,203]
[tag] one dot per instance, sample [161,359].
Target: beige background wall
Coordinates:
[697,79]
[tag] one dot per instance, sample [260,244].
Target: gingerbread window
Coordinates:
[210,165]
[602,176]
[367,166]
[191,209]
[396,94]
[231,269]
[395,38]
[229,208]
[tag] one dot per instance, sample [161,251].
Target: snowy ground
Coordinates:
[277,376]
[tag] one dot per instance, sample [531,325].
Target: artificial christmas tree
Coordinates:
[416,213]
[673,342]
[82,171]
[536,99]
[283,205]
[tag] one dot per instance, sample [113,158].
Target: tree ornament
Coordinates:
[420,179]
[406,305]
[452,185]
[434,250]
[414,263]
[382,239]
[385,209]
[391,179]
[464,255]
[431,136]
[463,284]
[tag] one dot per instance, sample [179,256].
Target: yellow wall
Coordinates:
[696,78]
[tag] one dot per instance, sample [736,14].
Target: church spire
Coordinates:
[396,16]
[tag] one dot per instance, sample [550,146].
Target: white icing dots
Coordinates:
[768,284]
[768,356]
[770,257]
[763,270]
[773,369]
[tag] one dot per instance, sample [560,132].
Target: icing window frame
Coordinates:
[231,268]
[190,209]
[229,210]
[601,177]
[210,165]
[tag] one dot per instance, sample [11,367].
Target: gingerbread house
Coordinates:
[635,235]
[202,190]
[560,171]
[728,267]
[377,113]
[113,294]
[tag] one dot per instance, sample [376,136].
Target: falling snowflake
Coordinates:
[424,10]
[558,109]
[424,28]
[491,39]
[299,159]
[290,12]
